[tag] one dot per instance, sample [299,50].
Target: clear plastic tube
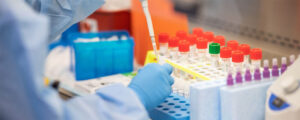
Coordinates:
[215,60]
[226,63]
[202,55]
[163,50]
[173,52]
[256,63]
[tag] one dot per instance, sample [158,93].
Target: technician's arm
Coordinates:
[64,13]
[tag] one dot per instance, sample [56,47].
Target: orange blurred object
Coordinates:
[165,20]
[107,21]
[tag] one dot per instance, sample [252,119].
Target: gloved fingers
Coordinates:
[168,68]
[171,80]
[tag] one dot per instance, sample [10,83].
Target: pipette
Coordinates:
[150,25]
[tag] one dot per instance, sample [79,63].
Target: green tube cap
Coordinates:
[214,48]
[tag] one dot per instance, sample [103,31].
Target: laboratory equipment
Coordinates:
[248,75]
[225,55]
[233,44]
[257,74]
[198,32]
[95,58]
[181,34]
[163,39]
[219,39]
[174,107]
[202,49]
[214,51]
[283,65]
[173,47]
[237,60]
[150,25]
[238,78]
[245,48]
[283,96]
[275,70]
[184,51]
[193,47]
[255,56]
[209,36]
[266,71]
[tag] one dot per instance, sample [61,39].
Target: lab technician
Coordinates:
[26,29]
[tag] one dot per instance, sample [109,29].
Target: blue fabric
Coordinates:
[23,49]
[153,84]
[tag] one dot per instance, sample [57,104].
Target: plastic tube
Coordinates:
[283,65]
[237,60]
[275,71]
[266,71]
[184,51]
[173,47]
[214,51]
[163,39]
[225,54]
[202,49]
[256,56]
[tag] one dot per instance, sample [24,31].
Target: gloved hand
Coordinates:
[153,84]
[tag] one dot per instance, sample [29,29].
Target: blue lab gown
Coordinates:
[24,38]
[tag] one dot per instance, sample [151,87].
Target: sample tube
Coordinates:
[173,47]
[248,76]
[184,51]
[245,48]
[193,47]
[233,44]
[214,51]
[275,71]
[198,32]
[292,59]
[283,65]
[181,34]
[225,54]
[209,36]
[266,71]
[257,74]
[202,49]
[256,56]
[163,39]
[230,80]
[238,78]
[220,39]
[237,60]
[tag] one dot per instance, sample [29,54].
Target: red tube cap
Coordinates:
[198,32]
[220,39]
[233,44]
[237,56]
[245,48]
[225,52]
[256,54]
[184,46]
[202,43]
[209,36]
[173,42]
[181,34]
[192,39]
[163,38]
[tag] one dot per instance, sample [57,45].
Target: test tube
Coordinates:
[266,71]
[283,65]
[173,47]
[209,36]
[181,34]
[163,39]
[220,39]
[257,74]
[214,51]
[292,59]
[230,81]
[237,60]
[198,32]
[202,49]
[238,78]
[233,44]
[225,54]
[193,47]
[256,56]
[248,76]
[184,50]
[275,71]
[245,48]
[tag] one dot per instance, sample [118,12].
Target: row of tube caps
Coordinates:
[199,44]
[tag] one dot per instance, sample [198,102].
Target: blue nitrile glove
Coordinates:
[153,84]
